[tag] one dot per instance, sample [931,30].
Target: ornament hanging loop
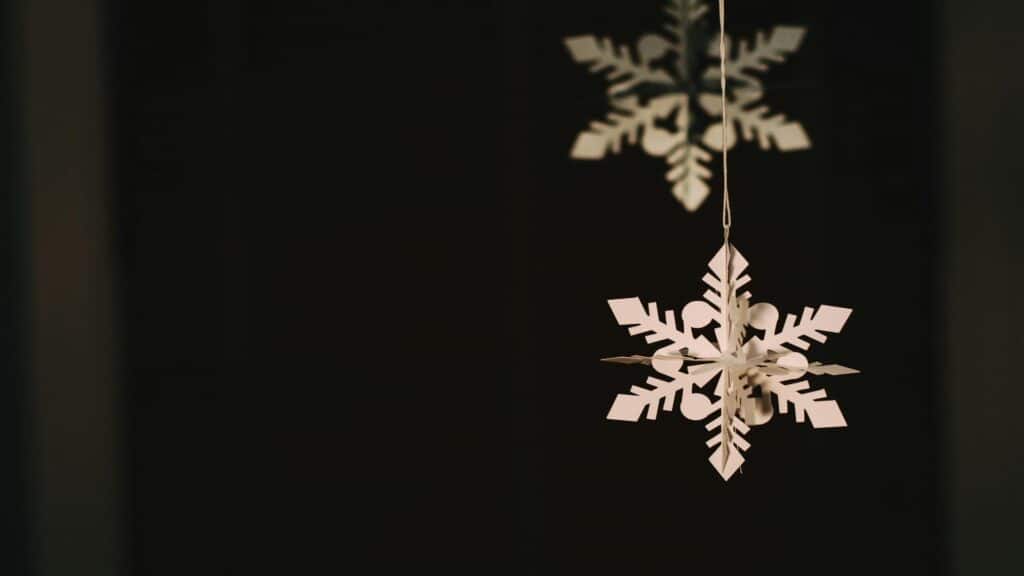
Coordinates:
[726,207]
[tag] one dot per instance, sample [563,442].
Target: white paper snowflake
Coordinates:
[747,369]
[662,98]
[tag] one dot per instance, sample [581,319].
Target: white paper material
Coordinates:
[744,370]
[650,104]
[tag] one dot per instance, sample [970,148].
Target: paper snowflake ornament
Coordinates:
[667,97]
[729,381]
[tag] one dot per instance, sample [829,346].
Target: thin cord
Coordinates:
[726,207]
[726,225]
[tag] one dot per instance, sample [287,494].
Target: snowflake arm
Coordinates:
[629,407]
[622,70]
[728,456]
[716,280]
[822,412]
[783,41]
[755,121]
[682,14]
[818,368]
[768,129]
[787,136]
[811,325]
[689,174]
[623,122]
[630,312]
[722,295]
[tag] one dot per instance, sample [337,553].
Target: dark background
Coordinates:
[303,287]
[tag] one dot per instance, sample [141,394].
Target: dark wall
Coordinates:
[302,199]
[75,433]
[14,490]
[364,295]
[983,121]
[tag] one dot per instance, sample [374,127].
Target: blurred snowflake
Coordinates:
[667,97]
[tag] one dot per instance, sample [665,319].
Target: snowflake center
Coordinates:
[732,361]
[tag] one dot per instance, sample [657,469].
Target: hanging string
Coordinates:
[726,226]
[726,207]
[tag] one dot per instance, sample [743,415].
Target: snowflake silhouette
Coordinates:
[748,371]
[658,97]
